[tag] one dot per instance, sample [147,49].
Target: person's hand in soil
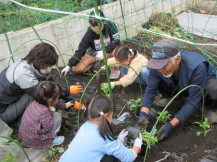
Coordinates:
[122,135]
[78,105]
[65,70]
[143,119]
[69,104]
[164,132]
[105,85]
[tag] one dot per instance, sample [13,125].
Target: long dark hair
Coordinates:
[122,52]
[94,22]
[42,54]
[47,90]
[96,107]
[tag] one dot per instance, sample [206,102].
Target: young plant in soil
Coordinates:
[53,154]
[205,125]
[105,89]
[16,143]
[135,104]
[163,116]
[149,138]
[9,157]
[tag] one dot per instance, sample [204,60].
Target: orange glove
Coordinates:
[77,105]
[76,89]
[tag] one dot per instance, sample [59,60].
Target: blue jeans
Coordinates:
[143,75]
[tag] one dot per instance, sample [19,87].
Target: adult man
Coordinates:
[171,70]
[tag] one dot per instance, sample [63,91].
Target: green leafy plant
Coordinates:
[135,104]
[105,89]
[53,153]
[205,125]
[9,157]
[163,116]
[16,143]
[149,137]
[15,17]
[60,111]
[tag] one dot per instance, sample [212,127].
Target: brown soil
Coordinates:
[182,145]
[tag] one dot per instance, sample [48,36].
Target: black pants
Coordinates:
[16,109]
[210,90]
[109,158]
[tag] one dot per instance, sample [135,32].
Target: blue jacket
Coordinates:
[89,146]
[193,69]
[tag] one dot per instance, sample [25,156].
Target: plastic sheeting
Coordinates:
[199,24]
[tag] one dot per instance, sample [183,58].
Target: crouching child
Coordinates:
[40,122]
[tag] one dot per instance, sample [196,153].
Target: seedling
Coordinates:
[105,89]
[163,116]
[135,104]
[16,143]
[53,154]
[149,137]
[9,157]
[205,125]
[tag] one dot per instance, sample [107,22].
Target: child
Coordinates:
[39,123]
[20,79]
[90,50]
[94,141]
[135,71]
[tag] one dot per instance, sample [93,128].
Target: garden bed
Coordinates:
[183,143]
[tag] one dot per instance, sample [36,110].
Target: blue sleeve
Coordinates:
[117,149]
[199,78]
[151,89]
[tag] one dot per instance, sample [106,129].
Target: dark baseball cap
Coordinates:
[162,51]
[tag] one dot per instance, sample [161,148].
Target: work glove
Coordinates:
[143,119]
[78,105]
[65,70]
[138,142]
[122,135]
[76,89]
[69,104]
[106,85]
[99,55]
[164,132]
[103,67]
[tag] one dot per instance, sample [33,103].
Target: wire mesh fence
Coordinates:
[141,23]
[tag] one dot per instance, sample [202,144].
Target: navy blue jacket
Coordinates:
[194,69]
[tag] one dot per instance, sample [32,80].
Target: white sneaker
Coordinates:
[58,140]
[115,73]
